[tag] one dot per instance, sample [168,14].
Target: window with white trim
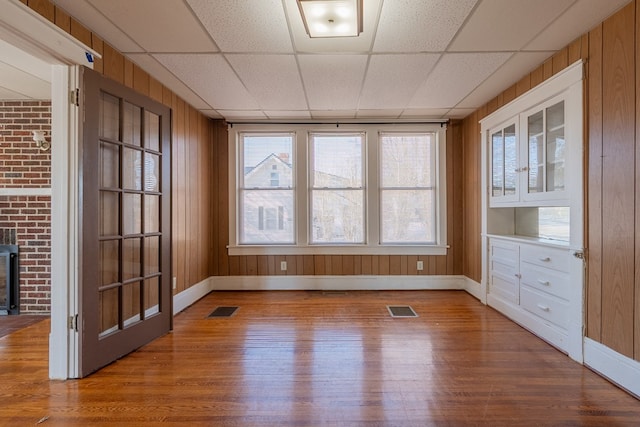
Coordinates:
[352,189]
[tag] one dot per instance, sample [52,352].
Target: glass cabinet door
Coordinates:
[504,163]
[546,150]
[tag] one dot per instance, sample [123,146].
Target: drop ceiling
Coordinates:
[251,59]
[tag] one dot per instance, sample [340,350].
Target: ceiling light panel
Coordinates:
[84,12]
[418,26]
[454,77]
[507,25]
[360,44]
[158,25]
[273,80]
[212,78]
[333,82]
[393,79]
[332,18]
[246,25]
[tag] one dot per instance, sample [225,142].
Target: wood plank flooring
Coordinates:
[320,359]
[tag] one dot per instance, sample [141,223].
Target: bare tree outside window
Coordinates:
[407,188]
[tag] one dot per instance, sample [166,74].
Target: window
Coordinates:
[337,191]
[359,189]
[407,188]
[266,197]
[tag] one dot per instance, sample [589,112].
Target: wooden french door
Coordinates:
[126,221]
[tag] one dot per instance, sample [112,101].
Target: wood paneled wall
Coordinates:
[612,160]
[613,286]
[337,264]
[191,151]
[471,143]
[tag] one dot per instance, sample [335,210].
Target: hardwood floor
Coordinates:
[320,359]
[13,323]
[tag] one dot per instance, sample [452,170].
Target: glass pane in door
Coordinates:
[109,165]
[131,124]
[510,165]
[108,311]
[151,296]
[497,164]
[109,257]
[555,147]
[535,135]
[131,304]
[151,131]
[109,116]
[131,213]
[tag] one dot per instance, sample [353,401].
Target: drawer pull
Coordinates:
[543,307]
[544,282]
[545,259]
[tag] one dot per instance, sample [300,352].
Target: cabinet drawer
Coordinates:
[504,287]
[555,258]
[545,279]
[545,306]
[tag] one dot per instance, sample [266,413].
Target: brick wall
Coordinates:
[25,218]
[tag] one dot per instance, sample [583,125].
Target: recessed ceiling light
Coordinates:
[331,18]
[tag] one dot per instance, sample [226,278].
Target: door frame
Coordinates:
[27,30]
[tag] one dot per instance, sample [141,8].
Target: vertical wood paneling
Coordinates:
[62,20]
[44,8]
[523,85]
[636,291]
[618,180]
[80,32]
[97,44]
[560,60]
[594,188]
[537,76]
[113,64]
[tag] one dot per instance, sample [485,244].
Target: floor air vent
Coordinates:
[223,312]
[401,311]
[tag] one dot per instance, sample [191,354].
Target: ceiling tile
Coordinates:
[8,94]
[211,113]
[454,77]
[243,114]
[333,82]
[273,80]
[571,25]
[245,26]
[24,83]
[418,26]
[298,114]
[149,64]
[459,113]
[158,25]
[506,25]
[211,77]
[424,113]
[393,79]
[360,44]
[511,72]
[333,114]
[84,12]
[386,113]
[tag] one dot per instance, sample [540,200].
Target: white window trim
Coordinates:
[373,246]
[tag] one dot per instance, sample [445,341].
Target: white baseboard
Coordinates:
[336,283]
[614,366]
[189,296]
[474,289]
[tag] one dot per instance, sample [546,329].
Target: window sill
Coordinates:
[337,250]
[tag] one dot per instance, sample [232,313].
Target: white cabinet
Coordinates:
[532,210]
[530,283]
[533,155]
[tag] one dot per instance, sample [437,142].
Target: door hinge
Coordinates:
[74,97]
[73,322]
[579,255]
